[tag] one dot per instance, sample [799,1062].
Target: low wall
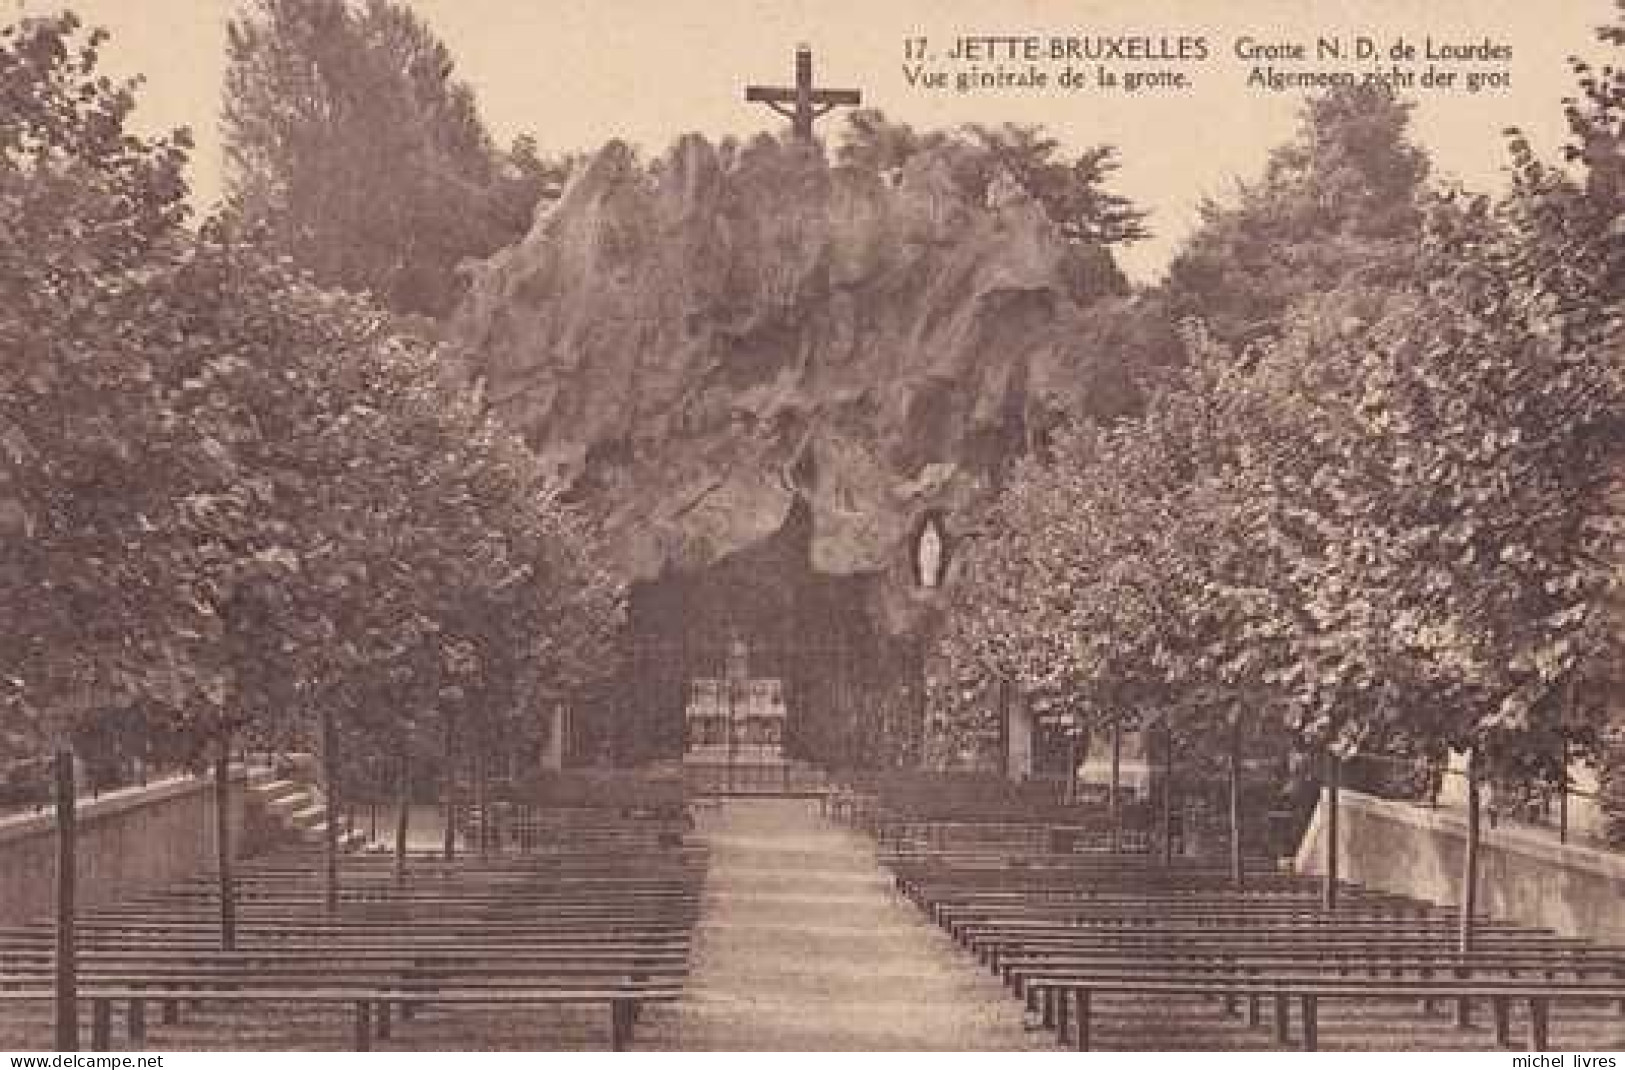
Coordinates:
[129,840]
[1525,875]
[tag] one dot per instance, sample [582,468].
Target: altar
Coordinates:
[736,718]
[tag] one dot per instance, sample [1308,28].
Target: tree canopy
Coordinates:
[1374,503]
[233,498]
[352,144]
[1072,189]
[1340,202]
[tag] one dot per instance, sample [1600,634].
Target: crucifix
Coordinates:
[802,104]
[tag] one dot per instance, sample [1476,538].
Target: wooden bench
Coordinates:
[1060,927]
[1068,998]
[606,919]
[622,1002]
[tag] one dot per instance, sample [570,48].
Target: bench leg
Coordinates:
[135,1022]
[1502,1006]
[620,1024]
[1311,1023]
[1254,1014]
[101,1025]
[363,1025]
[1539,1027]
[1046,999]
[1083,1019]
[1464,1013]
[1283,1018]
[171,1013]
[384,1023]
[1062,1013]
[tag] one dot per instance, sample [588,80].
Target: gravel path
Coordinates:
[803,945]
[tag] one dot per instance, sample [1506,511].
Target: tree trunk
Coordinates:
[482,800]
[403,811]
[222,846]
[1071,794]
[1563,784]
[1236,868]
[1469,877]
[330,785]
[67,946]
[448,793]
[1004,727]
[1114,788]
[1334,776]
[1167,794]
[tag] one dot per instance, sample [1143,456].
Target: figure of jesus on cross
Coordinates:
[802,104]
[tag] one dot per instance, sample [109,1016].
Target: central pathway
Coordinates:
[803,945]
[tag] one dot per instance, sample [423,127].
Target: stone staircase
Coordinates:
[298,809]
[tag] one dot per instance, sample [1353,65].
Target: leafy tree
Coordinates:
[234,500]
[1339,204]
[88,574]
[350,142]
[1072,190]
[1387,524]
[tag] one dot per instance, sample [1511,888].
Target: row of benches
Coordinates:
[1096,938]
[603,919]
[934,812]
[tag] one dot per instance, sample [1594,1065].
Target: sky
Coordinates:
[576,73]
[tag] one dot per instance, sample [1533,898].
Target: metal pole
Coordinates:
[67,965]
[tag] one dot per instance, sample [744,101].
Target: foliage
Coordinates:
[87,577]
[351,143]
[232,498]
[1339,204]
[1072,190]
[1386,523]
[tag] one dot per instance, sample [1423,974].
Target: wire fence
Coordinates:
[1552,808]
[27,784]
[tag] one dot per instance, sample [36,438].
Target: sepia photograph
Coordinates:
[663,526]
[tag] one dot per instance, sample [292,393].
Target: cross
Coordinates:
[809,103]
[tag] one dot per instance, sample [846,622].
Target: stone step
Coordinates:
[313,813]
[272,790]
[283,806]
[260,775]
[353,840]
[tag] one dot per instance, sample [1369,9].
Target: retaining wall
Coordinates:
[1525,876]
[129,840]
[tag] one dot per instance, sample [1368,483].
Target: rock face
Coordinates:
[696,344]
